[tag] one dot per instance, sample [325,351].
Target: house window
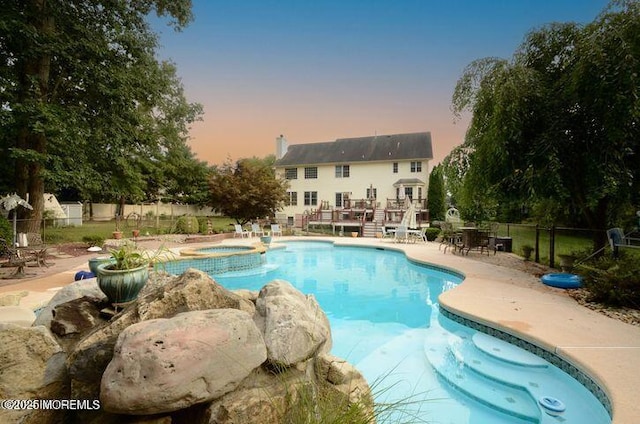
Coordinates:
[342,171]
[291,173]
[338,200]
[372,193]
[292,198]
[395,167]
[407,192]
[416,166]
[311,172]
[310,198]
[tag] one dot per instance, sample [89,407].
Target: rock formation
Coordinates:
[187,350]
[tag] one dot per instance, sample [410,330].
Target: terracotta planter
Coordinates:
[117,235]
[354,234]
[135,233]
[122,286]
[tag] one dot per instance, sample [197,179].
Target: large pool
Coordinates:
[385,320]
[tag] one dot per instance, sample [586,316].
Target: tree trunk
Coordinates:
[597,221]
[29,180]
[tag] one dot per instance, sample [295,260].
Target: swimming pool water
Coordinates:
[385,320]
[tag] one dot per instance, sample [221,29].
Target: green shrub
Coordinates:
[6,230]
[614,282]
[187,225]
[203,224]
[93,240]
[432,233]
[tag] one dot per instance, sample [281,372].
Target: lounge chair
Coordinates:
[256,230]
[618,239]
[275,230]
[240,232]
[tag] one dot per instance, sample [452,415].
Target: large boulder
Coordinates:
[165,365]
[342,377]
[192,291]
[32,367]
[76,316]
[75,290]
[263,397]
[295,327]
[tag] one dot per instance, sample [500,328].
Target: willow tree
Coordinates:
[81,92]
[559,121]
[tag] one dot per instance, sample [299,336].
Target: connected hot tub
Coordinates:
[217,259]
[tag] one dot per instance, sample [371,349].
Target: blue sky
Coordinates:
[320,70]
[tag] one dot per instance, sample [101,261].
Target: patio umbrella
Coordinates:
[9,203]
[409,218]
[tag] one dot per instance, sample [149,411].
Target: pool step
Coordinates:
[507,352]
[456,359]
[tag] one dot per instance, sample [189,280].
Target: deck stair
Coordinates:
[372,227]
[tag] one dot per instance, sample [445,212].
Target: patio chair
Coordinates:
[386,233]
[618,239]
[240,232]
[401,234]
[275,230]
[14,258]
[256,230]
[37,248]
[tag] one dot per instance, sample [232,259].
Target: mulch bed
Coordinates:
[73,249]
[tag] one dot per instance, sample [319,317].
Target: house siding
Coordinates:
[370,161]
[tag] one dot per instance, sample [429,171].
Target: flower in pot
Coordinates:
[122,278]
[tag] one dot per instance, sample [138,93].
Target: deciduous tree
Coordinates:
[247,190]
[84,101]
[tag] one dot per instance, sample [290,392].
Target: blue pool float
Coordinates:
[563,281]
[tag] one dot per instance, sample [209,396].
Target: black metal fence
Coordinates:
[550,242]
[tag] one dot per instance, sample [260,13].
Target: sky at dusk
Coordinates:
[321,70]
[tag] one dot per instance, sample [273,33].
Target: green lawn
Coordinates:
[566,241]
[105,229]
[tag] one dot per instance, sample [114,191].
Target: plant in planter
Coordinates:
[117,234]
[567,261]
[527,250]
[122,278]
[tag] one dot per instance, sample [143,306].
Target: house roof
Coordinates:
[408,182]
[392,147]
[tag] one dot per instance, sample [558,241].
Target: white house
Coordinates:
[363,182]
